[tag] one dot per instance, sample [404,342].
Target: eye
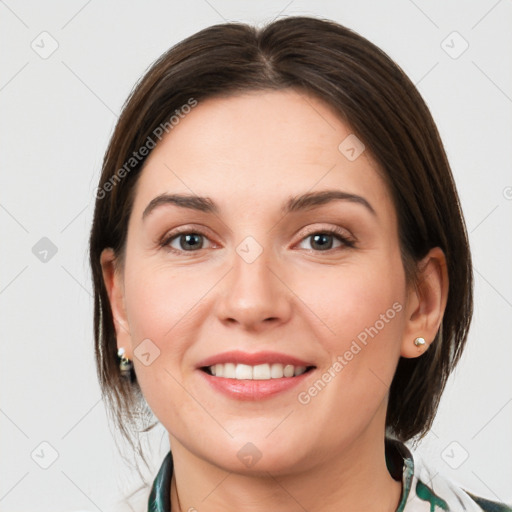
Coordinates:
[194,241]
[186,241]
[324,240]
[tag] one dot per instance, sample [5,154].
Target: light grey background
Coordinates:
[57,114]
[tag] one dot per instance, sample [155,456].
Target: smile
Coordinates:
[257,372]
[242,375]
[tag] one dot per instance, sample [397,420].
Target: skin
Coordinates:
[249,153]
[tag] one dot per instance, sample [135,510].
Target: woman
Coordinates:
[282,273]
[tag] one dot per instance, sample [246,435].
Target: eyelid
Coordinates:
[325,228]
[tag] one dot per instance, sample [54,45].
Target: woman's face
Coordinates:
[260,280]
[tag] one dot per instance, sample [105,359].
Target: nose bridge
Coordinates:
[254,293]
[252,279]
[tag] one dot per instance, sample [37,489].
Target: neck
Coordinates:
[354,479]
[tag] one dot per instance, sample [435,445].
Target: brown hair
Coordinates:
[374,96]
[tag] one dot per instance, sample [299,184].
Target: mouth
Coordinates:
[253,376]
[265,371]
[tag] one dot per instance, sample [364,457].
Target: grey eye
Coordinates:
[322,241]
[187,241]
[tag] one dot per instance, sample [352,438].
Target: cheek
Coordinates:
[160,301]
[159,306]
[361,307]
[162,305]
[353,299]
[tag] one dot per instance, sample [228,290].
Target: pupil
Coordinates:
[322,237]
[188,239]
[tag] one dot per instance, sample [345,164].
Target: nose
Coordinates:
[254,293]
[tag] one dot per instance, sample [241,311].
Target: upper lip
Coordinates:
[252,359]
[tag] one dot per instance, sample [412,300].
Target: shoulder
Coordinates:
[426,489]
[441,493]
[490,506]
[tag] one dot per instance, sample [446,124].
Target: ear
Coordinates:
[426,303]
[113,279]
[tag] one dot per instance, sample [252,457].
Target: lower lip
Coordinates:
[253,389]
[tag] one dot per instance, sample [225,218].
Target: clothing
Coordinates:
[420,491]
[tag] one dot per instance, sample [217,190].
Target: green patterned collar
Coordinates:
[398,459]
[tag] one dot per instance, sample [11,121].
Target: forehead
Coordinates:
[258,148]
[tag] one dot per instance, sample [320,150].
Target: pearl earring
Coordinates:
[125,365]
[419,342]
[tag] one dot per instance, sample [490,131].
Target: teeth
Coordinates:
[276,371]
[243,371]
[258,372]
[288,370]
[261,372]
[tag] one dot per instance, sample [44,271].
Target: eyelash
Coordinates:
[337,233]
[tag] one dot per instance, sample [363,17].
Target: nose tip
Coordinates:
[254,295]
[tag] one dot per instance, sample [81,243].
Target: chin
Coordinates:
[258,458]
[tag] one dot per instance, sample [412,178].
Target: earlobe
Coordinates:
[112,277]
[426,304]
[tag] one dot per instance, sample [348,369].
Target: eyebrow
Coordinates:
[306,201]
